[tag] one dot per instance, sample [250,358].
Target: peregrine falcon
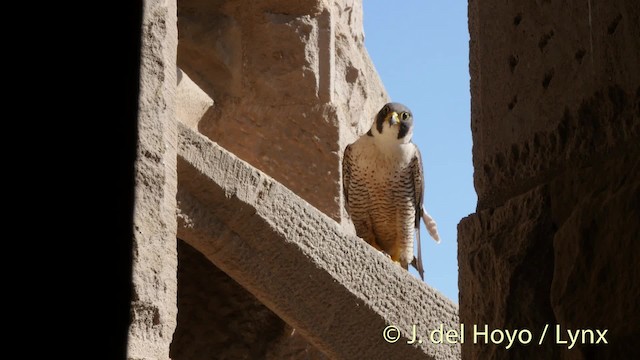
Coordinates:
[383,187]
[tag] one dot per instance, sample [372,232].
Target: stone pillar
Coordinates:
[153,308]
[555,88]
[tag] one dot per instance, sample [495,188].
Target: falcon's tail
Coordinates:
[417,260]
[431,226]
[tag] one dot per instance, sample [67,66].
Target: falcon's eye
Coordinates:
[405,115]
[385,109]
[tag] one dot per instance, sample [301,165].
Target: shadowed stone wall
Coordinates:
[555,89]
[220,319]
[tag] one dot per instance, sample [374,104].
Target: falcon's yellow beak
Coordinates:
[393,118]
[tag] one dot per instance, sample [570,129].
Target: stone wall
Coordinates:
[292,85]
[332,288]
[249,255]
[219,318]
[153,307]
[284,85]
[555,90]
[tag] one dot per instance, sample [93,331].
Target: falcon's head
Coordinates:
[393,124]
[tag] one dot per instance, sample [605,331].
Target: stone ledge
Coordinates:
[297,261]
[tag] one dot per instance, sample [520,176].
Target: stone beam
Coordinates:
[333,288]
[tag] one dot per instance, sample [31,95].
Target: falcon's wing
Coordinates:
[346,174]
[418,181]
[418,187]
[430,224]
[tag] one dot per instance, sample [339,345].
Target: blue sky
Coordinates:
[421,51]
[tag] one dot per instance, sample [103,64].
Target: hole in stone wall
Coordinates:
[513,102]
[579,55]
[513,62]
[544,40]
[517,19]
[614,24]
[547,78]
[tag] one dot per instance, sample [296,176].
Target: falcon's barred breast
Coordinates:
[383,186]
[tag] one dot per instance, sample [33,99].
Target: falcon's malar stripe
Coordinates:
[404,129]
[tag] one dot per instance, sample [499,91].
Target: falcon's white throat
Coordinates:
[388,139]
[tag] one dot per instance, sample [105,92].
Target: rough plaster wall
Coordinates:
[556,129]
[153,308]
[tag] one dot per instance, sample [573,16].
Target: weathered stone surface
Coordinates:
[564,253]
[218,318]
[555,92]
[552,82]
[291,345]
[280,93]
[334,289]
[292,83]
[502,255]
[597,253]
[153,308]
[192,104]
[243,328]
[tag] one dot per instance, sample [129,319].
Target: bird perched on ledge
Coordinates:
[383,186]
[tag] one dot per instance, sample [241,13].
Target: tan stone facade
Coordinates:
[292,85]
[241,247]
[555,88]
[247,107]
[153,306]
